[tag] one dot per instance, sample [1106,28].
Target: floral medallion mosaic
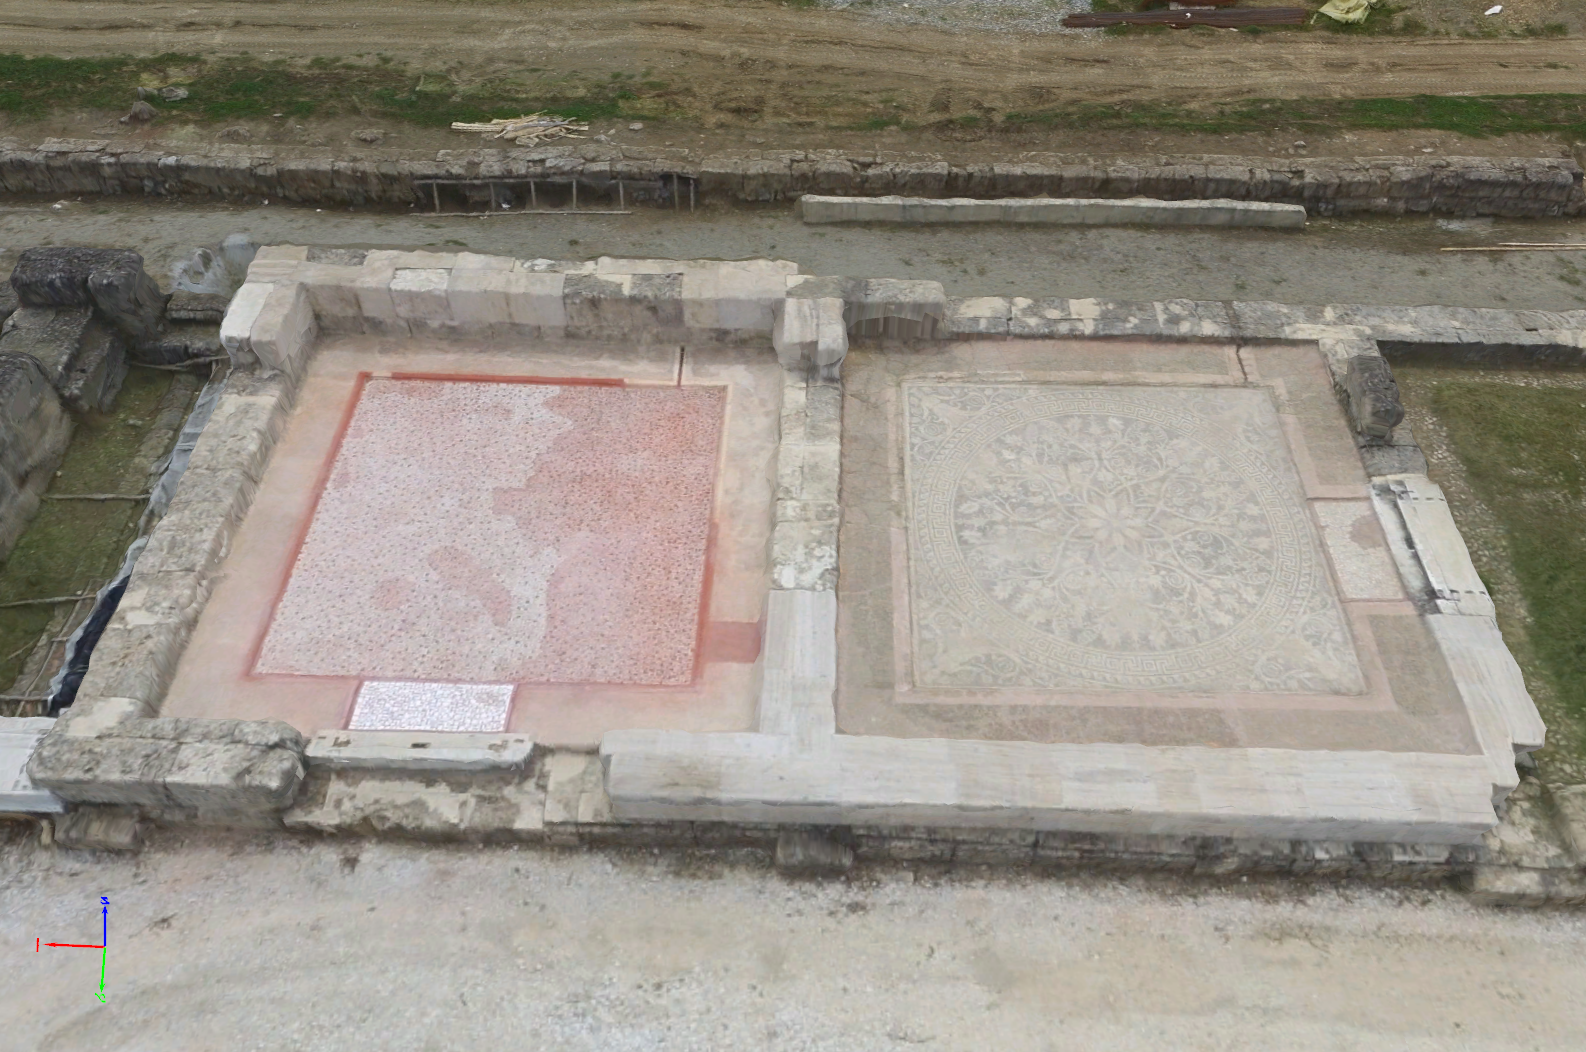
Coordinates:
[1114,537]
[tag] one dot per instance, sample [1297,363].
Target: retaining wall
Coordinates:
[1512,187]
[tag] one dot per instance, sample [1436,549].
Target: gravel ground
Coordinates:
[1389,261]
[1001,16]
[263,944]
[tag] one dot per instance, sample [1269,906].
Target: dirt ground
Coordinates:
[1389,261]
[286,944]
[764,70]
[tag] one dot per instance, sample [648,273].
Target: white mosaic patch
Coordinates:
[399,705]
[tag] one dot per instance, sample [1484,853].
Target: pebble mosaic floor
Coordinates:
[473,535]
[1146,538]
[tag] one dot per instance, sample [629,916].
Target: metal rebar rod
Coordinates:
[435,191]
[575,195]
[492,198]
[675,204]
[692,183]
[534,200]
[622,199]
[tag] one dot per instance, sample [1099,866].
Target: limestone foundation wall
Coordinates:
[1509,187]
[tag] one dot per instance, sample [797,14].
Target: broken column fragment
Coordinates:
[109,280]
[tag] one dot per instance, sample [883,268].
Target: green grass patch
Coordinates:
[1477,116]
[230,89]
[71,546]
[1523,449]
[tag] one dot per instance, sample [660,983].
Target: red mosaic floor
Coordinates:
[473,531]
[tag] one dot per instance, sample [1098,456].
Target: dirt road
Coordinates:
[776,61]
[231,943]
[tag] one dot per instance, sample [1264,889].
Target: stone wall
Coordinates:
[1513,187]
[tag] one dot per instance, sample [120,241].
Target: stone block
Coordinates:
[219,767]
[83,356]
[897,308]
[809,333]
[365,802]
[333,295]
[806,853]
[534,299]
[131,301]
[1569,803]
[34,431]
[419,296]
[574,794]
[284,330]
[1437,545]
[400,260]
[228,776]
[136,661]
[1372,396]
[1516,886]
[415,751]
[376,303]
[632,305]
[206,307]
[281,253]
[110,280]
[58,277]
[804,554]
[18,794]
[100,829]
[236,328]
[1194,318]
[478,299]
[731,299]
[981,316]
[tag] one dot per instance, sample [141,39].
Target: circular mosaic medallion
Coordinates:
[1117,539]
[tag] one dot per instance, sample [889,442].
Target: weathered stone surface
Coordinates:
[211,766]
[1051,210]
[1324,185]
[207,307]
[34,430]
[1373,397]
[18,794]
[474,806]
[100,829]
[1516,886]
[1569,804]
[84,357]
[58,277]
[805,853]
[417,751]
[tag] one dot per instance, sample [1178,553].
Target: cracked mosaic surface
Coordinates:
[1114,537]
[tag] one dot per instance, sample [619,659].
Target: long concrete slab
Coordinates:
[1055,211]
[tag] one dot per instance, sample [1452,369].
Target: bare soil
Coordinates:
[757,73]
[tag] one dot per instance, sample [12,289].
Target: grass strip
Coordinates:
[232,89]
[371,87]
[1522,449]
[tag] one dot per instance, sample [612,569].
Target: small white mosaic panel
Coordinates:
[400,705]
